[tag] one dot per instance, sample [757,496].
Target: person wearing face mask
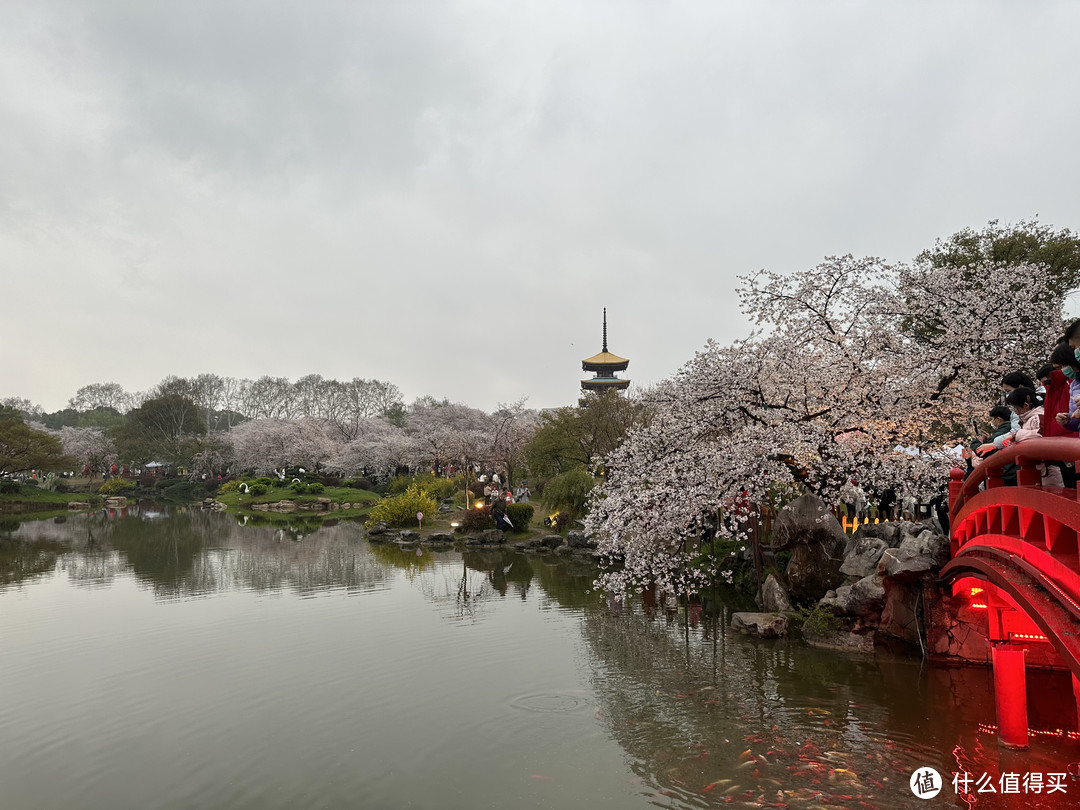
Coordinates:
[1026,404]
[1009,383]
[1067,415]
[1055,377]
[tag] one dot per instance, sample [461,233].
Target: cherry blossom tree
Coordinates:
[847,361]
[512,427]
[91,447]
[378,449]
[450,432]
[263,445]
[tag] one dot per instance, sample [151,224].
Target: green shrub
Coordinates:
[398,484]
[400,510]
[315,489]
[357,483]
[266,480]
[299,487]
[185,492]
[9,487]
[521,515]
[819,619]
[228,486]
[115,485]
[568,493]
[258,489]
[477,520]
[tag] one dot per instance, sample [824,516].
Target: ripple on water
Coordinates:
[550,702]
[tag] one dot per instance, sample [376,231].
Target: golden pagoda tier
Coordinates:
[604,364]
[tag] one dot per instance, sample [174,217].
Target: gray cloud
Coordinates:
[445,194]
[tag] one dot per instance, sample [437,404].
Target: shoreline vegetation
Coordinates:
[306,501]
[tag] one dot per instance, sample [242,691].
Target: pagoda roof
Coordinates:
[605,361]
[602,383]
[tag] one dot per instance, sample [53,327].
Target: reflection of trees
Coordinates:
[20,560]
[685,701]
[192,552]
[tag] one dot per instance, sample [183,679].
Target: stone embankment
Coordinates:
[575,542]
[876,586]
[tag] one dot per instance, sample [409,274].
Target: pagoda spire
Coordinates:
[604,366]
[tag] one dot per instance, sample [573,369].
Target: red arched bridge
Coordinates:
[1015,554]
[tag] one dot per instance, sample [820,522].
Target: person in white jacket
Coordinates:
[1027,406]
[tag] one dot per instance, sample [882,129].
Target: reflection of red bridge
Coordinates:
[1015,554]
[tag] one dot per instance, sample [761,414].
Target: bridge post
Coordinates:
[1076,697]
[1010,696]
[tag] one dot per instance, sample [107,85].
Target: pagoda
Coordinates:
[605,365]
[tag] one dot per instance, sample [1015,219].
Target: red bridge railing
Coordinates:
[1015,553]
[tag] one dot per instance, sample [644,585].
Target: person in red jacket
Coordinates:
[1055,401]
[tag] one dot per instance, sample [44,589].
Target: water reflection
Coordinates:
[191,552]
[437,663]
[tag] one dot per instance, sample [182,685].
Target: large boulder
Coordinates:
[864,598]
[814,570]
[774,598]
[817,543]
[807,521]
[862,557]
[847,640]
[551,541]
[888,533]
[899,618]
[917,555]
[576,539]
[438,538]
[762,625]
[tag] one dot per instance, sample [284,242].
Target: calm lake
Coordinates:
[181,660]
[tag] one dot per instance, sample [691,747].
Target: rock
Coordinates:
[439,537]
[409,536]
[76,505]
[861,558]
[576,539]
[380,527]
[551,541]
[774,598]
[491,537]
[927,543]
[840,640]
[563,549]
[116,502]
[898,619]
[346,505]
[445,509]
[817,543]
[888,533]
[807,521]
[335,507]
[865,598]
[283,506]
[813,570]
[917,554]
[762,625]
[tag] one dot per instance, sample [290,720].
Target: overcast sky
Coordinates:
[445,195]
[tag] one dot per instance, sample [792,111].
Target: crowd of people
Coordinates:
[1046,406]
[498,497]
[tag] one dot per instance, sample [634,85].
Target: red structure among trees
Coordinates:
[1015,556]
